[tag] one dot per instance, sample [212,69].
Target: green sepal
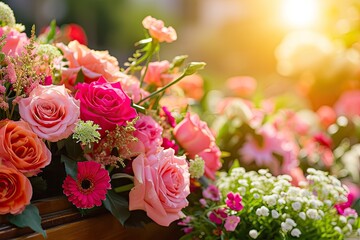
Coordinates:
[117,205]
[30,217]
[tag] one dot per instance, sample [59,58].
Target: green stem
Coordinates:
[162,89]
[124,188]
[149,55]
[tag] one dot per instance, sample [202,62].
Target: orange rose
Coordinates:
[22,148]
[93,64]
[15,190]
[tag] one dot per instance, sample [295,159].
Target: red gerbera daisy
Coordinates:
[90,186]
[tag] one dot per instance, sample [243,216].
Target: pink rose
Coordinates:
[211,157]
[104,103]
[158,31]
[14,41]
[51,112]
[161,186]
[92,63]
[148,132]
[22,148]
[193,134]
[16,190]
[157,73]
[327,116]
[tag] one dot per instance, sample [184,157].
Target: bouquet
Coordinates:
[74,123]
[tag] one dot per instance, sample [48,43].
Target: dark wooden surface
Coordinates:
[63,222]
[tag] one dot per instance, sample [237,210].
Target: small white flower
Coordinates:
[263,211]
[338,229]
[312,213]
[296,206]
[281,201]
[349,227]
[295,232]
[358,231]
[302,215]
[342,219]
[328,203]
[290,222]
[256,196]
[286,227]
[274,214]
[253,234]
[270,200]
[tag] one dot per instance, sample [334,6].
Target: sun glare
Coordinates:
[299,13]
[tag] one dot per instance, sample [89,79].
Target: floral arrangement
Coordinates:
[74,123]
[258,205]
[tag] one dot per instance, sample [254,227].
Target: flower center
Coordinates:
[85,184]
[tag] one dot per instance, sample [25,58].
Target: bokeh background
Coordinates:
[234,37]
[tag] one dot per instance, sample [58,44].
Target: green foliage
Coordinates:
[118,206]
[70,166]
[30,217]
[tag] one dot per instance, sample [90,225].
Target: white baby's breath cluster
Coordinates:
[275,209]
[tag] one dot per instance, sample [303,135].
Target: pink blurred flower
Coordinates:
[104,103]
[231,223]
[348,104]
[233,201]
[320,147]
[327,116]
[217,216]
[73,32]
[193,86]
[297,176]
[158,31]
[131,87]
[14,41]
[51,112]
[157,73]
[211,192]
[90,186]
[242,86]
[162,184]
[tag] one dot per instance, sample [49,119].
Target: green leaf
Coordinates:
[80,78]
[193,67]
[70,166]
[30,217]
[2,57]
[117,205]
[51,35]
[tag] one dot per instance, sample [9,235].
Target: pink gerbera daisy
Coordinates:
[90,186]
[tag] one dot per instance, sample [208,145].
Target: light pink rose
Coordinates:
[93,64]
[348,104]
[14,41]
[104,103]
[161,186]
[193,134]
[211,157]
[51,112]
[157,75]
[158,31]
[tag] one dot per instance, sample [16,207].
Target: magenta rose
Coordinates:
[161,186]
[104,103]
[193,134]
[51,112]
